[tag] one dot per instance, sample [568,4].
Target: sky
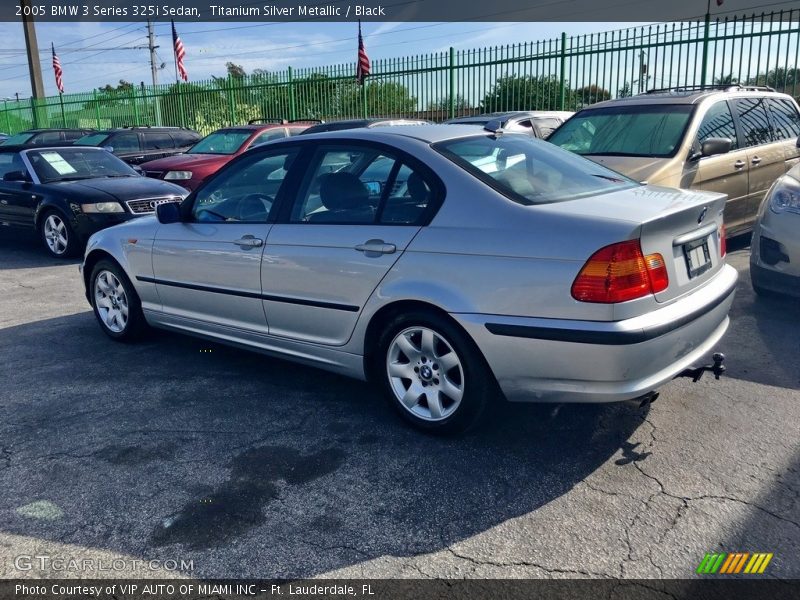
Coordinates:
[96,54]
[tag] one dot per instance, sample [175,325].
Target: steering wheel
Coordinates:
[254,207]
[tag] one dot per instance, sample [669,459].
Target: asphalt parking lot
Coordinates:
[180,449]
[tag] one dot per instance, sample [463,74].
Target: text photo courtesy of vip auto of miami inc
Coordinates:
[408,299]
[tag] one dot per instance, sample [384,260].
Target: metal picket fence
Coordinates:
[564,73]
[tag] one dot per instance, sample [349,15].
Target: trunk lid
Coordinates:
[668,221]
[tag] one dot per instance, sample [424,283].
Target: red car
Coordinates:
[211,153]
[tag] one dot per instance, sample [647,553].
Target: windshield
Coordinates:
[221,142]
[70,164]
[530,171]
[20,138]
[654,131]
[95,139]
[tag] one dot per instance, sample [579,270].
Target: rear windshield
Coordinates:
[530,171]
[654,131]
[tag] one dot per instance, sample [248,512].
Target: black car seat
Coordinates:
[345,198]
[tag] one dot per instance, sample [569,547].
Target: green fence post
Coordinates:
[34,113]
[63,114]
[452,68]
[96,108]
[136,118]
[563,99]
[8,119]
[704,64]
[180,104]
[231,102]
[364,98]
[292,105]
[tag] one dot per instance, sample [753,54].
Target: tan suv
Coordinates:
[732,139]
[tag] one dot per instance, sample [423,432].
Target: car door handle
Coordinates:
[755,160]
[249,241]
[377,247]
[739,164]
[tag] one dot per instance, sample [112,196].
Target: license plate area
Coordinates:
[698,258]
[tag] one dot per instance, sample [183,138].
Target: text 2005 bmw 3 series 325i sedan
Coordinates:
[450,264]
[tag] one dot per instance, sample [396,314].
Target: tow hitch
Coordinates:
[695,373]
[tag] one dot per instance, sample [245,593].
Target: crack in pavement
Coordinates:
[525,563]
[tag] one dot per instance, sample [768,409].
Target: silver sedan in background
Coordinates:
[449,264]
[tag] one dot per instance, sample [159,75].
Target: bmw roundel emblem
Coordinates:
[702,214]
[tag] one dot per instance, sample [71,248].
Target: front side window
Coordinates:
[530,171]
[46,137]
[718,123]
[10,162]
[654,130]
[787,121]
[227,141]
[92,139]
[123,142]
[547,125]
[245,192]
[267,136]
[754,119]
[72,134]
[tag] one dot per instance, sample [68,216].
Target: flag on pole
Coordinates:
[57,70]
[180,54]
[363,65]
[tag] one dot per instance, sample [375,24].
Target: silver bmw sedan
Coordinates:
[452,265]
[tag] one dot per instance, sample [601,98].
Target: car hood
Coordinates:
[644,169]
[185,161]
[121,188]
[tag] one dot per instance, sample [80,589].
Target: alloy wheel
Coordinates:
[111,301]
[425,373]
[55,234]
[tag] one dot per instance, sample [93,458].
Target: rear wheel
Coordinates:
[433,373]
[57,235]
[115,302]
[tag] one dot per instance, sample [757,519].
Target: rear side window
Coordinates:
[530,171]
[547,125]
[154,140]
[184,138]
[754,119]
[718,123]
[73,135]
[785,117]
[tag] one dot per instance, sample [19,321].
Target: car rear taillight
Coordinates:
[723,245]
[620,272]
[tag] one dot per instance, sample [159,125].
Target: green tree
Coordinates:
[542,92]
[443,104]
[590,94]
[728,79]
[625,91]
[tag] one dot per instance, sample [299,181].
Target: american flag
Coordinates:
[363,66]
[57,70]
[180,54]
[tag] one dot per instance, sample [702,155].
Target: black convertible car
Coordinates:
[68,193]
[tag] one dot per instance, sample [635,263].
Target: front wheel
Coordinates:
[57,235]
[115,302]
[433,373]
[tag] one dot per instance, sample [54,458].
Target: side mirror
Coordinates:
[714,146]
[16,176]
[109,149]
[169,212]
[138,169]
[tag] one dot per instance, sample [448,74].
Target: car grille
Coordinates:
[155,174]
[148,205]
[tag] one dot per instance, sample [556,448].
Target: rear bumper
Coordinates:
[552,360]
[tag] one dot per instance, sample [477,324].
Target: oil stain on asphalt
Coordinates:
[237,506]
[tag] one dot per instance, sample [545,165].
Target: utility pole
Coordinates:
[32,48]
[151,44]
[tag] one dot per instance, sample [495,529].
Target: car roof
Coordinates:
[485,117]
[364,123]
[45,129]
[143,128]
[690,95]
[29,148]
[426,133]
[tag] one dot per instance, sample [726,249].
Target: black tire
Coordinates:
[73,244]
[135,324]
[477,383]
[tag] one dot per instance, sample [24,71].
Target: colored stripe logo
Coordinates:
[734,563]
